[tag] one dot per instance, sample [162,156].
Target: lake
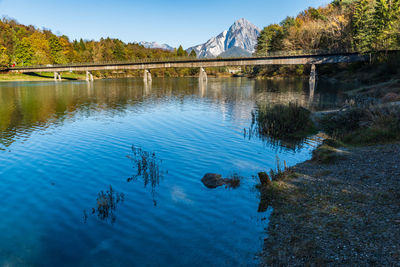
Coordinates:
[63,145]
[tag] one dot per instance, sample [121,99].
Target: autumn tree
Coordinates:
[40,46]
[4,58]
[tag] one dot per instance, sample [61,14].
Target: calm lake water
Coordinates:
[62,144]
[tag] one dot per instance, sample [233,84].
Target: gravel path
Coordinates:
[346,213]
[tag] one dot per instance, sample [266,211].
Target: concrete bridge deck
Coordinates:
[200,63]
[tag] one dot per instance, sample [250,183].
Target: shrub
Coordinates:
[284,121]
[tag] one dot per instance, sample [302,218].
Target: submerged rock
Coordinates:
[213,180]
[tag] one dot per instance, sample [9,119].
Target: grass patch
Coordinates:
[364,126]
[45,76]
[284,122]
[273,187]
[325,154]
[333,143]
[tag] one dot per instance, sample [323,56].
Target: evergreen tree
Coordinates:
[363,26]
[180,52]
[193,54]
[119,50]
[75,45]
[385,15]
[56,50]
[82,45]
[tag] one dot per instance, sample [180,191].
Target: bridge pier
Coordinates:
[313,73]
[89,76]
[57,76]
[147,76]
[202,75]
[312,82]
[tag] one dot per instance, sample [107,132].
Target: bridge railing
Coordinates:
[314,52]
[308,52]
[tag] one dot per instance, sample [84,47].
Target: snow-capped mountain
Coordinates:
[239,40]
[156,45]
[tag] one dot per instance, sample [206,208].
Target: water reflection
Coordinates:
[74,137]
[146,166]
[147,87]
[25,107]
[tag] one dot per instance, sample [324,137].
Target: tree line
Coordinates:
[27,45]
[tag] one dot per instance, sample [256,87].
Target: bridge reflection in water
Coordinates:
[26,107]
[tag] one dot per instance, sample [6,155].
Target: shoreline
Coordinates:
[346,212]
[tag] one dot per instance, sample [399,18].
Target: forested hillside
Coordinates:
[26,45]
[343,25]
[361,25]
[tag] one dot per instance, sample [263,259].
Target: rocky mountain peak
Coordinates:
[239,40]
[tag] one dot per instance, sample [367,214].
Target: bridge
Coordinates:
[146,66]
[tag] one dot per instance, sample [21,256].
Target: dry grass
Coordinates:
[364,126]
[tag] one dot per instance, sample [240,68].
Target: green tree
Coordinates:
[82,45]
[119,50]
[386,13]
[287,23]
[362,23]
[56,50]
[193,54]
[180,52]
[24,52]
[270,39]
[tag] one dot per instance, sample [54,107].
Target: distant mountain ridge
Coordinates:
[239,40]
[156,45]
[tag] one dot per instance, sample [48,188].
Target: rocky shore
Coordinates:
[345,213]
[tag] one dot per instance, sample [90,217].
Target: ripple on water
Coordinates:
[74,144]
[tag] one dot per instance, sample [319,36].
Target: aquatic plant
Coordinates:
[146,166]
[233,181]
[281,125]
[106,204]
[283,121]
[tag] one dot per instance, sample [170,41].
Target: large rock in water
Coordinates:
[213,180]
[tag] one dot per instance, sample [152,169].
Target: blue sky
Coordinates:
[173,22]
